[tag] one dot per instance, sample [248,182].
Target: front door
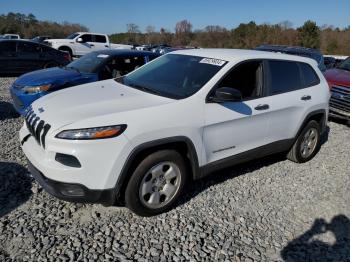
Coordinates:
[235,127]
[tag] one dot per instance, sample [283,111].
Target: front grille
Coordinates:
[340,98]
[37,127]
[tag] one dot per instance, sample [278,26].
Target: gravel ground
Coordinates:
[266,210]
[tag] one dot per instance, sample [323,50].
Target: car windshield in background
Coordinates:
[174,76]
[88,63]
[345,65]
[72,36]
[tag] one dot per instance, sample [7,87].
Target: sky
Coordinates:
[108,16]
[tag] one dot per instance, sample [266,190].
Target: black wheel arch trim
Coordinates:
[125,174]
[309,116]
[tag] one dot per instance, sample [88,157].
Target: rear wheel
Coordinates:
[156,183]
[307,144]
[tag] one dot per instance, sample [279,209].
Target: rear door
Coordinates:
[100,42]
[290,96]
[7,56]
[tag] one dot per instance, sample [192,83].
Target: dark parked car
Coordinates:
[296,50]
[95,66]
[339,82]
[21,56]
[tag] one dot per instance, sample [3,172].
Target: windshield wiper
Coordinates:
[146,89]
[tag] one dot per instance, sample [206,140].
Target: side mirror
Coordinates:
[80,40]
[226,94]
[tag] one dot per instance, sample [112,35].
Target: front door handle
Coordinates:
[92,45]
[305,98]
[262,107]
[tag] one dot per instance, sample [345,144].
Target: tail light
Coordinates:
[67,56]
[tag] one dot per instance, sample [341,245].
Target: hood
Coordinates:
[94,100]
[46,76]
[338,77]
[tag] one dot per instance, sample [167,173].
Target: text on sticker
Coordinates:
[212,61]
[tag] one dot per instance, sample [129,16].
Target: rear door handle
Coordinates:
[92,45]
[305,98]
[262,107]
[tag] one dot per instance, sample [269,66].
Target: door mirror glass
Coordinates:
[80,40]
[227,94]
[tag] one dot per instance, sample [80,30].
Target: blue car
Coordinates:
[95,66]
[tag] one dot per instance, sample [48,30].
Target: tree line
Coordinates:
[329,39]
[28,26]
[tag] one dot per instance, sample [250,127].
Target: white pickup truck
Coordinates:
[81,43]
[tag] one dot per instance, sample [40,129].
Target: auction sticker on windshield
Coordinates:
[212,61]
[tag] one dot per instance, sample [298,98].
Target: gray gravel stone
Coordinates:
[265,210]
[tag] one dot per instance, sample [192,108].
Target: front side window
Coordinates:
[88,63]
[27,47]
[284,76]
[121,65]
[86,38]
[174,76]
[247,77]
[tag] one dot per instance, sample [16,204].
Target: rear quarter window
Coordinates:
[309,75]
[283,76]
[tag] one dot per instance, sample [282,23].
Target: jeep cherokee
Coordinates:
[139,139]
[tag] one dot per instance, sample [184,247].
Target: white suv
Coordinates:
[137,140]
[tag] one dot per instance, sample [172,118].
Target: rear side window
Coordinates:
[7,47]
[309,75]
[100,39]
[284,76]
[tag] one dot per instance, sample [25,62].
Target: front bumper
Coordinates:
[72,192]
[93,181]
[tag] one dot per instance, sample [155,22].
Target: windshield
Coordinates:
[174,76]
[88,63]
[72,36]
[345,65]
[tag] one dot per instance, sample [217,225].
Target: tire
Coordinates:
[156,183]
[307,143]
[50,64]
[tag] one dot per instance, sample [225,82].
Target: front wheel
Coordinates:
[307,144]
[156,183]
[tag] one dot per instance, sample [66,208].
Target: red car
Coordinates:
[339,83]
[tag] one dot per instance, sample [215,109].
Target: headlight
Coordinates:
[36,89]
[92,133]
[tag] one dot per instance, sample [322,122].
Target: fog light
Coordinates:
[67,160]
